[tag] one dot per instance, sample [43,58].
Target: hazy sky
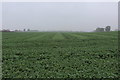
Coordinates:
[59,0]
[62,16]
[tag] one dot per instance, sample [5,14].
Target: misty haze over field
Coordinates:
[53,16]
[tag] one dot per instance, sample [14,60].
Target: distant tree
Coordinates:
[6,30]
[28,30]
[24,30]
[99,30]
[107,29]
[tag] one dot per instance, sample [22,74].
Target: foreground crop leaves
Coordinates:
[60,55]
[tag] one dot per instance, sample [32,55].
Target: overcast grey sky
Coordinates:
[60,16]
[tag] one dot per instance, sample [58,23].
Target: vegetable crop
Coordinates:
[60,54]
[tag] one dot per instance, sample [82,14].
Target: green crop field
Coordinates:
[60,54]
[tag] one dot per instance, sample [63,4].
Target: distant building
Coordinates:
[117,29]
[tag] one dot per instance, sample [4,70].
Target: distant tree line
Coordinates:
[106,29]
[24,30]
